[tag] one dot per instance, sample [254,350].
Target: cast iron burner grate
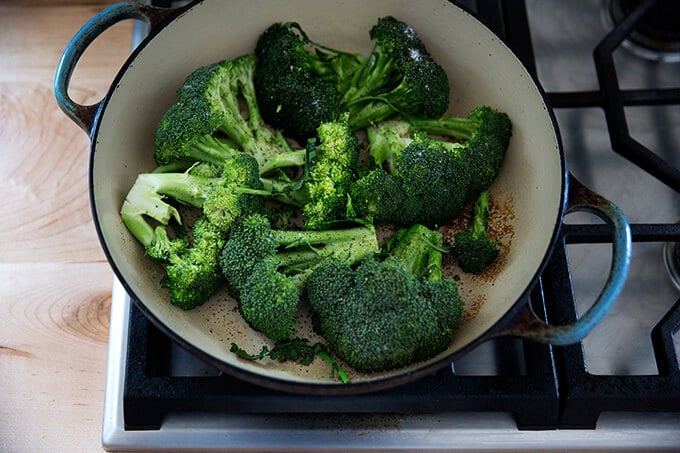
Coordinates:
[151,391]
[553,389]
[584,396]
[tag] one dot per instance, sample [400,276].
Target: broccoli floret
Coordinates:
[298,81]
[323,196]
[393,309]
[379,197]
[192,267]
[473,248]
[399,76]
[420,176]
[192,275]
[486,134]
[293,73]
[208,124]
[266,268]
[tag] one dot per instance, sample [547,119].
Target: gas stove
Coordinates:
[611,71]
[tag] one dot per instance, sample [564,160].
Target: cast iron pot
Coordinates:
[532,193]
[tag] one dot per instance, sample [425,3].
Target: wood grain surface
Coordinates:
[55,285]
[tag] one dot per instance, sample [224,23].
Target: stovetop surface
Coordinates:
[468,430]
[619,387]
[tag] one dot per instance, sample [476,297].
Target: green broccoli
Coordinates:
[394,308]
[297,350]
[207,124]
[473,248]
[266,268]
[420,177]
[399,76]
[192,268]
[298,81]
[322,194]
[294,72]
[486,134]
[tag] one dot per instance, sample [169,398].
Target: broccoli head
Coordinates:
[399,76]
[473,248]
[191,264]
[422,177]
[392,309]
[266,268]
[485,135]
[298,81]
[208,124]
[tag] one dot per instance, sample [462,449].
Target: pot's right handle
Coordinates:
[528,325]
[83,115]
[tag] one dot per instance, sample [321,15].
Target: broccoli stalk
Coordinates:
[208,124]
[392,309]
[473,248]
[192,269]
[420,177]
[266,268]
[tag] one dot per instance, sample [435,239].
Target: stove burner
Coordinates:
[671,254]
[657,34]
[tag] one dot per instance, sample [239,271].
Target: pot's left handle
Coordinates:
[83,115]
[526,324]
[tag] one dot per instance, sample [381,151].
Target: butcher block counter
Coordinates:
[55,290]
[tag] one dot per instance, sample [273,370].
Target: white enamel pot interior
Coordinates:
[529,195]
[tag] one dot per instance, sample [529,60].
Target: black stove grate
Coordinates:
[585,396]
[151,391]
[553,387]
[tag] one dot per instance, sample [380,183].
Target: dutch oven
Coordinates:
[533,192]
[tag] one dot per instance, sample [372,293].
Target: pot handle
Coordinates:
[83,115]
[527,324]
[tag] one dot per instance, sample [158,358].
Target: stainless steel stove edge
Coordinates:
[457,432]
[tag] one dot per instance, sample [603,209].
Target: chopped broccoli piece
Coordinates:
[473,248]
[399,76]
[323,197]
[266,268]
[486,133]
[294,73]
[207,122]
[192,270]
[420,177]
[298,81]
[392,309]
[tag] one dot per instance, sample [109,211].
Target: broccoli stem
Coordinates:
[301,250]
[419,249]
[386,141]
[335,367]
[211,149]
[446,126]
[434,266]
[366,112]
[373,75]
[480,217]
[144,199]
[295,158]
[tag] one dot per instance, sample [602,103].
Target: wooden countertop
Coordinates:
[55,290]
